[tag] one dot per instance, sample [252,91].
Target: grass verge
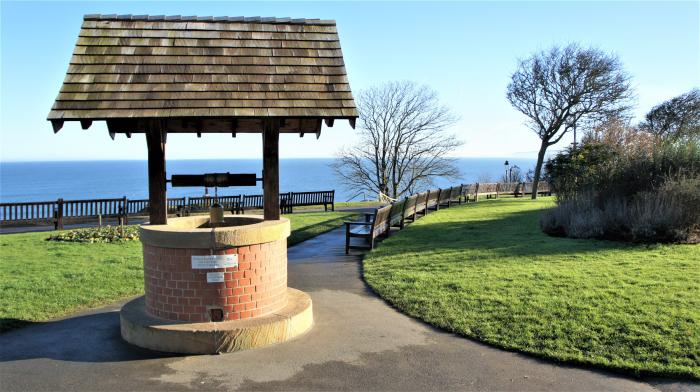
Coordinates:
[486,271]
[41,280]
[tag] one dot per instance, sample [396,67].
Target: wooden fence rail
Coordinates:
[61,211]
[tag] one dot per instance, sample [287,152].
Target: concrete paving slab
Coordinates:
[358,343]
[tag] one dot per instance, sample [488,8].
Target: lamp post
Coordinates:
[506,167]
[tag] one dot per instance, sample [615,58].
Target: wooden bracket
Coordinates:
[352,122]
[329,122]
[56,125]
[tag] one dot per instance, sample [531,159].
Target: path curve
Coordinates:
[358,343]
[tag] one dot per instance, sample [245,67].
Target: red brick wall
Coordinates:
[175,291]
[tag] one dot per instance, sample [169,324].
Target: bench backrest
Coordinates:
[381,221]
[542,187]
[432,199]
[444,195]
[468,189]
[508,187]
[488,187]
[455,192]
[420,201]
[396,212]
[409,208]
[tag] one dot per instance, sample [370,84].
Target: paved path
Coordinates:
[358,343]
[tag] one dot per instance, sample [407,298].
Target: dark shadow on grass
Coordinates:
[87,338]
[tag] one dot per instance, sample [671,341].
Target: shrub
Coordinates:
[102,234]
[670,214]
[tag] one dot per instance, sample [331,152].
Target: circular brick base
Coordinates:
[176,289]
[141,329]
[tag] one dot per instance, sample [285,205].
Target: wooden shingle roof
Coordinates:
[171,67]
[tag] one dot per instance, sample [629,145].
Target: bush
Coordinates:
[670,214]
[102,234]
[649,194]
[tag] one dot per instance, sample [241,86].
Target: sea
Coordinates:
[70,180]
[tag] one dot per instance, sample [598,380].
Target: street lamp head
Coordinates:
[506,164]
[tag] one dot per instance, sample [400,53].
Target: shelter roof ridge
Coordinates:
[193,18]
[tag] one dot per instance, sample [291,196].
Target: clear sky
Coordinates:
[466,51]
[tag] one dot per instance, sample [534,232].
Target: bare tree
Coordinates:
[676,119]
[404,142]
[564,88]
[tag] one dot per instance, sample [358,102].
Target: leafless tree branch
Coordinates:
[564,88]
[404,142]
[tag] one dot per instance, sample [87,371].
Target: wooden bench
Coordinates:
[377,225]
[490,189]
[443,200]
[469,192]
[525,188]
[507,188]
[396,214]
[431,201]
[455,195]
[299,199]
[409,210]
[421,200]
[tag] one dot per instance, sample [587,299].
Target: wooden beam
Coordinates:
[271,178]
[56,125]
[155,140]
[85,124]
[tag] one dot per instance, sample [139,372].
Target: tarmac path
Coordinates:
[358,342]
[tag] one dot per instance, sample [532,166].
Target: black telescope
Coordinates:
[213,180]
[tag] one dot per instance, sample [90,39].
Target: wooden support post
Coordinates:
[271,177]
[58,225]
[155,139]
[125,211]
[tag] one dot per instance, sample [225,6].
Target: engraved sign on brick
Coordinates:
[215,277]
[214,261]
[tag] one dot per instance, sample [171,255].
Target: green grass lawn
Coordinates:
[486,271]
[40,279]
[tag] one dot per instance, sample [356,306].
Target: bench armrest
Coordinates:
[358,223]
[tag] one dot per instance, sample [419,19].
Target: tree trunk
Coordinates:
[538,168]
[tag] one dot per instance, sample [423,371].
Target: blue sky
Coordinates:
[466,51]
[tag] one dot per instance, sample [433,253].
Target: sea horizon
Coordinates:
[24,181]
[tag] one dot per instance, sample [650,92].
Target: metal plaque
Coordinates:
[214,261]
[215,277]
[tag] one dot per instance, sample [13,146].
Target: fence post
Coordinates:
[498,186]
[125,211]
[59,214]
[476,193]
